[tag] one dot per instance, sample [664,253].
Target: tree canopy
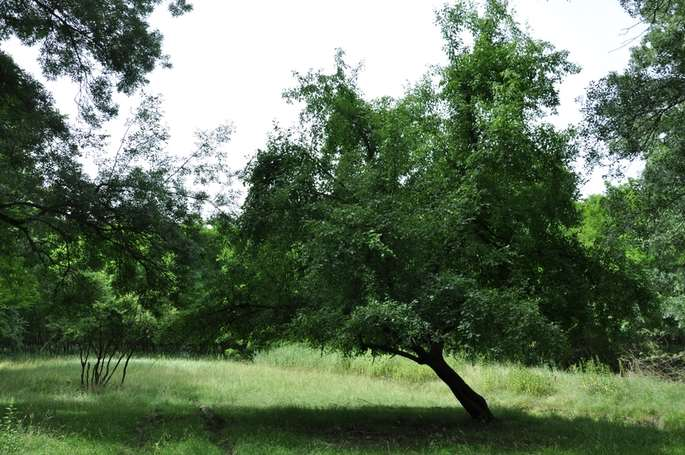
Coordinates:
[128,214]
[135,199]
[437,221]
[100,44]
[639,114]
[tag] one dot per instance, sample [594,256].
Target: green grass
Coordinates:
[292,400]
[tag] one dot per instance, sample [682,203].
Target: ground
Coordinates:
[294,401]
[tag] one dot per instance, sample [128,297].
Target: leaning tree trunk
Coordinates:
[474,404]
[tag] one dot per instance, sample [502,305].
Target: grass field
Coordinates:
[294,401]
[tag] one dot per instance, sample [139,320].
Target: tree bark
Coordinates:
[473,403]
[123,374]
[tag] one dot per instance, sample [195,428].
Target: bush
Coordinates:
[105,327]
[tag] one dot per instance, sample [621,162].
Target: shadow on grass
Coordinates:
[369,429]
[135,423]
[412,428]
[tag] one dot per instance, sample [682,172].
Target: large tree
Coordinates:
[125,212]
[639,113]
[100,44]
[131,204]
[432,223]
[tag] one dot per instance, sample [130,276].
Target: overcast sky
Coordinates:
[232,59]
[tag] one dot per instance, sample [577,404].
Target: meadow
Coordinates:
[294,400]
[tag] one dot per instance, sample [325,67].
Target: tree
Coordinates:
[437,222]
[191,323]
[105,328]
[620,226]
[18,290]
[131,208]
[127,218]
[100,44]
[639,114]
[134,221]
[45,195]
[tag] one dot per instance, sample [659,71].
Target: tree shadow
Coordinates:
[135,422]
[372,429]
[403,429]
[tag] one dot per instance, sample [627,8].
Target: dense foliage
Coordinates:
[128,216]
[439,221]
[639,114]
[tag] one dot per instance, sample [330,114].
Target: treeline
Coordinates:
[445,220]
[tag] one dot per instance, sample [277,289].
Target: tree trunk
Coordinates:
[474,404]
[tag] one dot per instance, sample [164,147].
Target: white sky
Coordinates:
[233,59]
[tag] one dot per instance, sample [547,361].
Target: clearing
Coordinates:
[292,400]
